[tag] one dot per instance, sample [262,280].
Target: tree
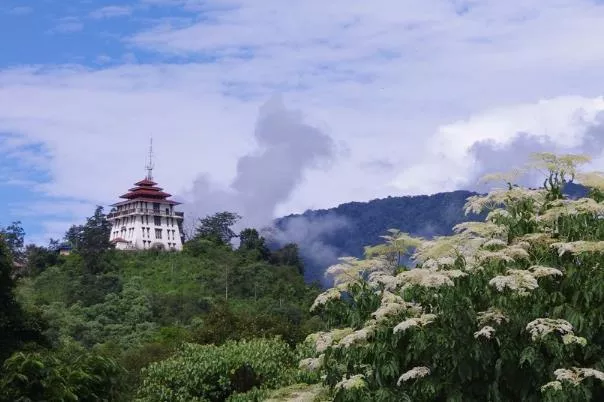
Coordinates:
[288,255]
[14,236]
[39,259]
[251,242]
[91,240]
[16,327]
[217,227]
[92,236]
[502,310]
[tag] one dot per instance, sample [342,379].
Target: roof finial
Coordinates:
[150,164]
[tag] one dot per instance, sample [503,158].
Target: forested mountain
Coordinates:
[346,229]
[359,224]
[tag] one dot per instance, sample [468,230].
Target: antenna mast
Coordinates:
[150,164]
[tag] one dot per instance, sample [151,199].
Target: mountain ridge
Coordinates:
[323,235]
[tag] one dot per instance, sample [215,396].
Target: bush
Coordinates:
[66,375]
[212,373]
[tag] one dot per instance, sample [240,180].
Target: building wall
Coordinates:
[141,229]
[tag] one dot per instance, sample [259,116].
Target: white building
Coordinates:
[146,219]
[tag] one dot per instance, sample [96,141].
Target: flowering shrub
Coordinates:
[510,309]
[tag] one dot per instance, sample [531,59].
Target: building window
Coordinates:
[157,220]
[143,230]
[158,233]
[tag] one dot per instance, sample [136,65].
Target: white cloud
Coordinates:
[111,12]
[68,25]
[448,162]
[416,84]
[20,10]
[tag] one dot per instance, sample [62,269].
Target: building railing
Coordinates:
[144,211]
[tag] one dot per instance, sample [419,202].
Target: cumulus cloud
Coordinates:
[426,93]
[498,140]
[267,176]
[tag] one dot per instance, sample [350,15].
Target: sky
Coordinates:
[273,107]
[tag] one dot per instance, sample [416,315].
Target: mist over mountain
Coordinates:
[326,234]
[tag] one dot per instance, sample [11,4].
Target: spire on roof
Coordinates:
[150,164]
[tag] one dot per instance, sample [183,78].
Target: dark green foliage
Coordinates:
[141,306]
[253,245]
[14,236]
[91,241]
[39,258]
[17,328]
[71,374]
[288,255]
[217,227]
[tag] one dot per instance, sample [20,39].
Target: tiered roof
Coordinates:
[146,190]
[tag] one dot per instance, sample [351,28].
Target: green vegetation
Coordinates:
[510,308]
[125,310]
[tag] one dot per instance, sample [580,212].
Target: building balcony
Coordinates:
[144,211]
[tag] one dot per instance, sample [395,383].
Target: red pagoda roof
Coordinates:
[145,182]
[147,190]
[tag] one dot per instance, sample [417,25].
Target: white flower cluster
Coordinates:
[570,339]
[325,297]
[429,278]
[577,374]
[555,385]
[414,373]
[360,336]
[516,280]
[312,363]
[421,321]
[383,279]
[323,340]
[498,213]
[507,254]
[540,271]
[492,315]
[495,244]
[485,332]
[561,208]
[355,382]
[541,327]
[577,247]
[504,196]
[392,305]
[350,269]
[481,229]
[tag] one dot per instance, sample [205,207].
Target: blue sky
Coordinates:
[406,90]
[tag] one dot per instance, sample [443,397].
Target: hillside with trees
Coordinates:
[121,311]
[508,308]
